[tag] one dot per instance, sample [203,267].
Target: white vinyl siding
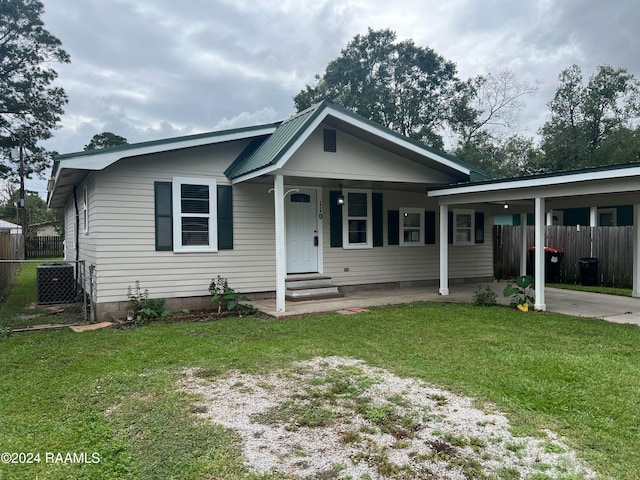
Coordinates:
[398,264]
[127,253]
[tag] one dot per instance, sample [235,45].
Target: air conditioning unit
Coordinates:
[56,283]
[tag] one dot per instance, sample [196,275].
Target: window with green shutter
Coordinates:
[193,215]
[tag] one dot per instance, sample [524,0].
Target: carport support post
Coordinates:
[539,242]
[636,251]
[281,269]
[524,245]
[444,250]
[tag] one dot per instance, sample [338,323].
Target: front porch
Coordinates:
[580,304]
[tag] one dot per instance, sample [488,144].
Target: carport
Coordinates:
[540,194]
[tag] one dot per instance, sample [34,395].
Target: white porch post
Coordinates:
[281,260]
[539,262]
[444,250]
[636,251]
[524,244]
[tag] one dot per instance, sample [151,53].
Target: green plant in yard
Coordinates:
[226,298]
[142,308]
[485,297]
[5,331]
[522,292]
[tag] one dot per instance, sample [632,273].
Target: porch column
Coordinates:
[281,260]
[539,242]
[523,246]
[444,250]
[636,251]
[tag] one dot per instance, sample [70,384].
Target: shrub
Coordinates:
[485,298]
[142,308]
[226,298]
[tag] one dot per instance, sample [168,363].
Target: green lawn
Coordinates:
[113,392]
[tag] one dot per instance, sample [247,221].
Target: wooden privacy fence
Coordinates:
[11,248]
[612,246]
[45,247]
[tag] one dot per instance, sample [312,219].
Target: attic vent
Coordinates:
[329,140]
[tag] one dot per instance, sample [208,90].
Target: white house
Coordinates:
[325,192]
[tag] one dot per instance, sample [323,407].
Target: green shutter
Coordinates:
[378,219]
[335,220]
[393,227]
[450,232]
[479,227]
[225,217]
[163,216]
[429,228]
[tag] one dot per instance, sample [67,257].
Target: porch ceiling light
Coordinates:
[340,197]
[505,206]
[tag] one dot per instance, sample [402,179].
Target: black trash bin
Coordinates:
[589,271]
[552,260]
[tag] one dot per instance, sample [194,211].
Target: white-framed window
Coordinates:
[607,217]
[463,227]
[194,215]
[85,211]
[411,226]
[357,228]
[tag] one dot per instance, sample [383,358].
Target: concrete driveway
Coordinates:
[579,304]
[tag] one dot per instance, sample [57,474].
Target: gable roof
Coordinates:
[273,153]
[70,169]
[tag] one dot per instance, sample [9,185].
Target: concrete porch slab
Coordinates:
[579,304]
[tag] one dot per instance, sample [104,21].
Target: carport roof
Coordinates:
[611,179]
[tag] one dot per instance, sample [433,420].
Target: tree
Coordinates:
[36,212]
[485,122]
[489,106]
[592,124]
[30,107]
[104,140]
[407,88]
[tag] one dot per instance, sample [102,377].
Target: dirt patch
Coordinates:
[340,418]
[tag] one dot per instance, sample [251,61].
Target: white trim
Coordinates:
[537,182]
[444,250]
[472,226]
[403,213]
[346,217]
[328,111]
[539,254]
[178,215]
[281,242]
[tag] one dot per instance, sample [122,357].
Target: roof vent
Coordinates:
[329,140]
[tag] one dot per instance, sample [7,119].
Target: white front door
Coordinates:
[302,231]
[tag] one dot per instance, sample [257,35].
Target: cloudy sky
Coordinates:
[149,69]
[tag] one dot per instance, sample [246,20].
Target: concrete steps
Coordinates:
[310,287]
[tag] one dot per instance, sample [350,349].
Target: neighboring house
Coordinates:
[326,192]
[44,229]
[12,228]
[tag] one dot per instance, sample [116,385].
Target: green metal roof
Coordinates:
[271,151]
[275,146]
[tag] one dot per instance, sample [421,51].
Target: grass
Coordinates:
[19,308]
[113,392]
[624,292]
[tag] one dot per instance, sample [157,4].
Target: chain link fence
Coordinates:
[60,283]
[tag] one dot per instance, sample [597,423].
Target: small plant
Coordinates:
[226,298]
[485,298]
[141,308]
[521,293]
[4,331]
